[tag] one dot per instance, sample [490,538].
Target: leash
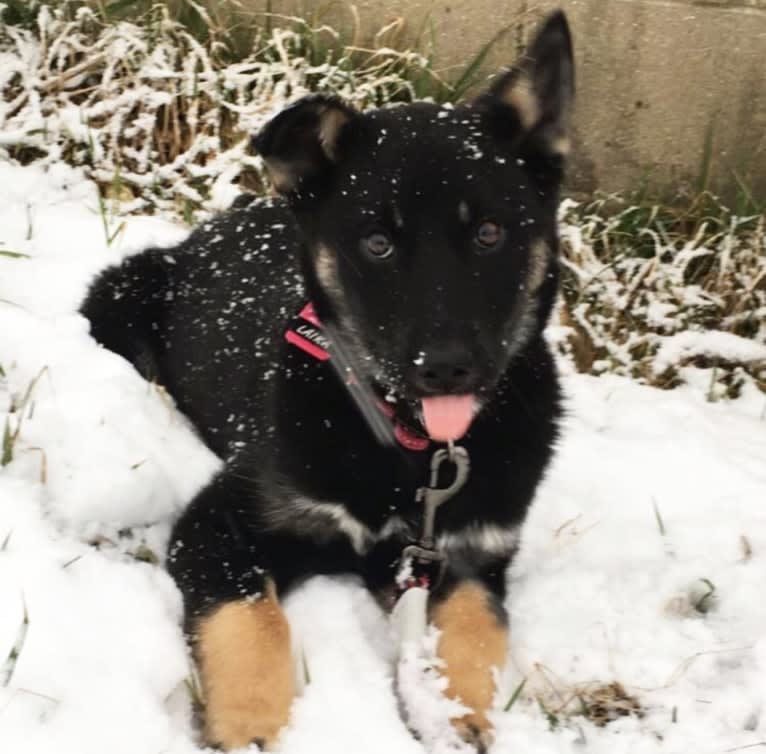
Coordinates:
[422,564]
[425,552]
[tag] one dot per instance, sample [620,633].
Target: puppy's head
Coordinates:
[430,232]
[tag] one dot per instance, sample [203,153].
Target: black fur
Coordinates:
[207,319]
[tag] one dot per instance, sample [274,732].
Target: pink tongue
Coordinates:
[447,417]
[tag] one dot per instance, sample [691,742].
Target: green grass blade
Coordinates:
[552,718]
[746,202]
[515,695]
[8,440]
[704,603]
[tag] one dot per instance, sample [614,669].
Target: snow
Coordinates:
[653,497]
[680,346]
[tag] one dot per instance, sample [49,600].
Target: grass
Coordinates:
[515,695]
[144,554]
[232,32]
[166,95]
[110,234]
[7,668]
[638,272]
[602,704]
[20,13]
[9,440]
[564,705]
[19,409]
[705,602]
[551,717]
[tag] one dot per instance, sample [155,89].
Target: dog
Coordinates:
[408,264]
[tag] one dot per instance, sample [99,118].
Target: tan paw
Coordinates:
[475,730]
[473,644]
[243,651]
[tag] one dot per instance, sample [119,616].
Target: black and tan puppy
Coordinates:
[425,239]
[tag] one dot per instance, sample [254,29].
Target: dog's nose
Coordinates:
[449,369]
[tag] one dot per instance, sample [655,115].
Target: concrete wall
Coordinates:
[662,84]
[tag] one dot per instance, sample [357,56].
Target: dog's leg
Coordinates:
[473,643]
[243,651]
[231,571]
[237,629]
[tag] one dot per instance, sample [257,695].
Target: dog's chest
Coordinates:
[330,523]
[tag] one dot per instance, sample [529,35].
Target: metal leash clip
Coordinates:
[432,497]
[422,565]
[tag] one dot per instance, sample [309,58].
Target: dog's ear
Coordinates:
[302,141]
[531,102]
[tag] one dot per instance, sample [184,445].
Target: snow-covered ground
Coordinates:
[656,499]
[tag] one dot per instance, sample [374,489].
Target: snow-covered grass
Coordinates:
[161,120]
[639,582]
[649,289]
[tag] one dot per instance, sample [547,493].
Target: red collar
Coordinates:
[305,332]
[308,335]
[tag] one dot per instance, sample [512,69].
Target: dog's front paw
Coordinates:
[473,645]
[475,730]
[235,725]
[247,673]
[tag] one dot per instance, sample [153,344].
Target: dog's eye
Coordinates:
[378,245]
[489,235]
